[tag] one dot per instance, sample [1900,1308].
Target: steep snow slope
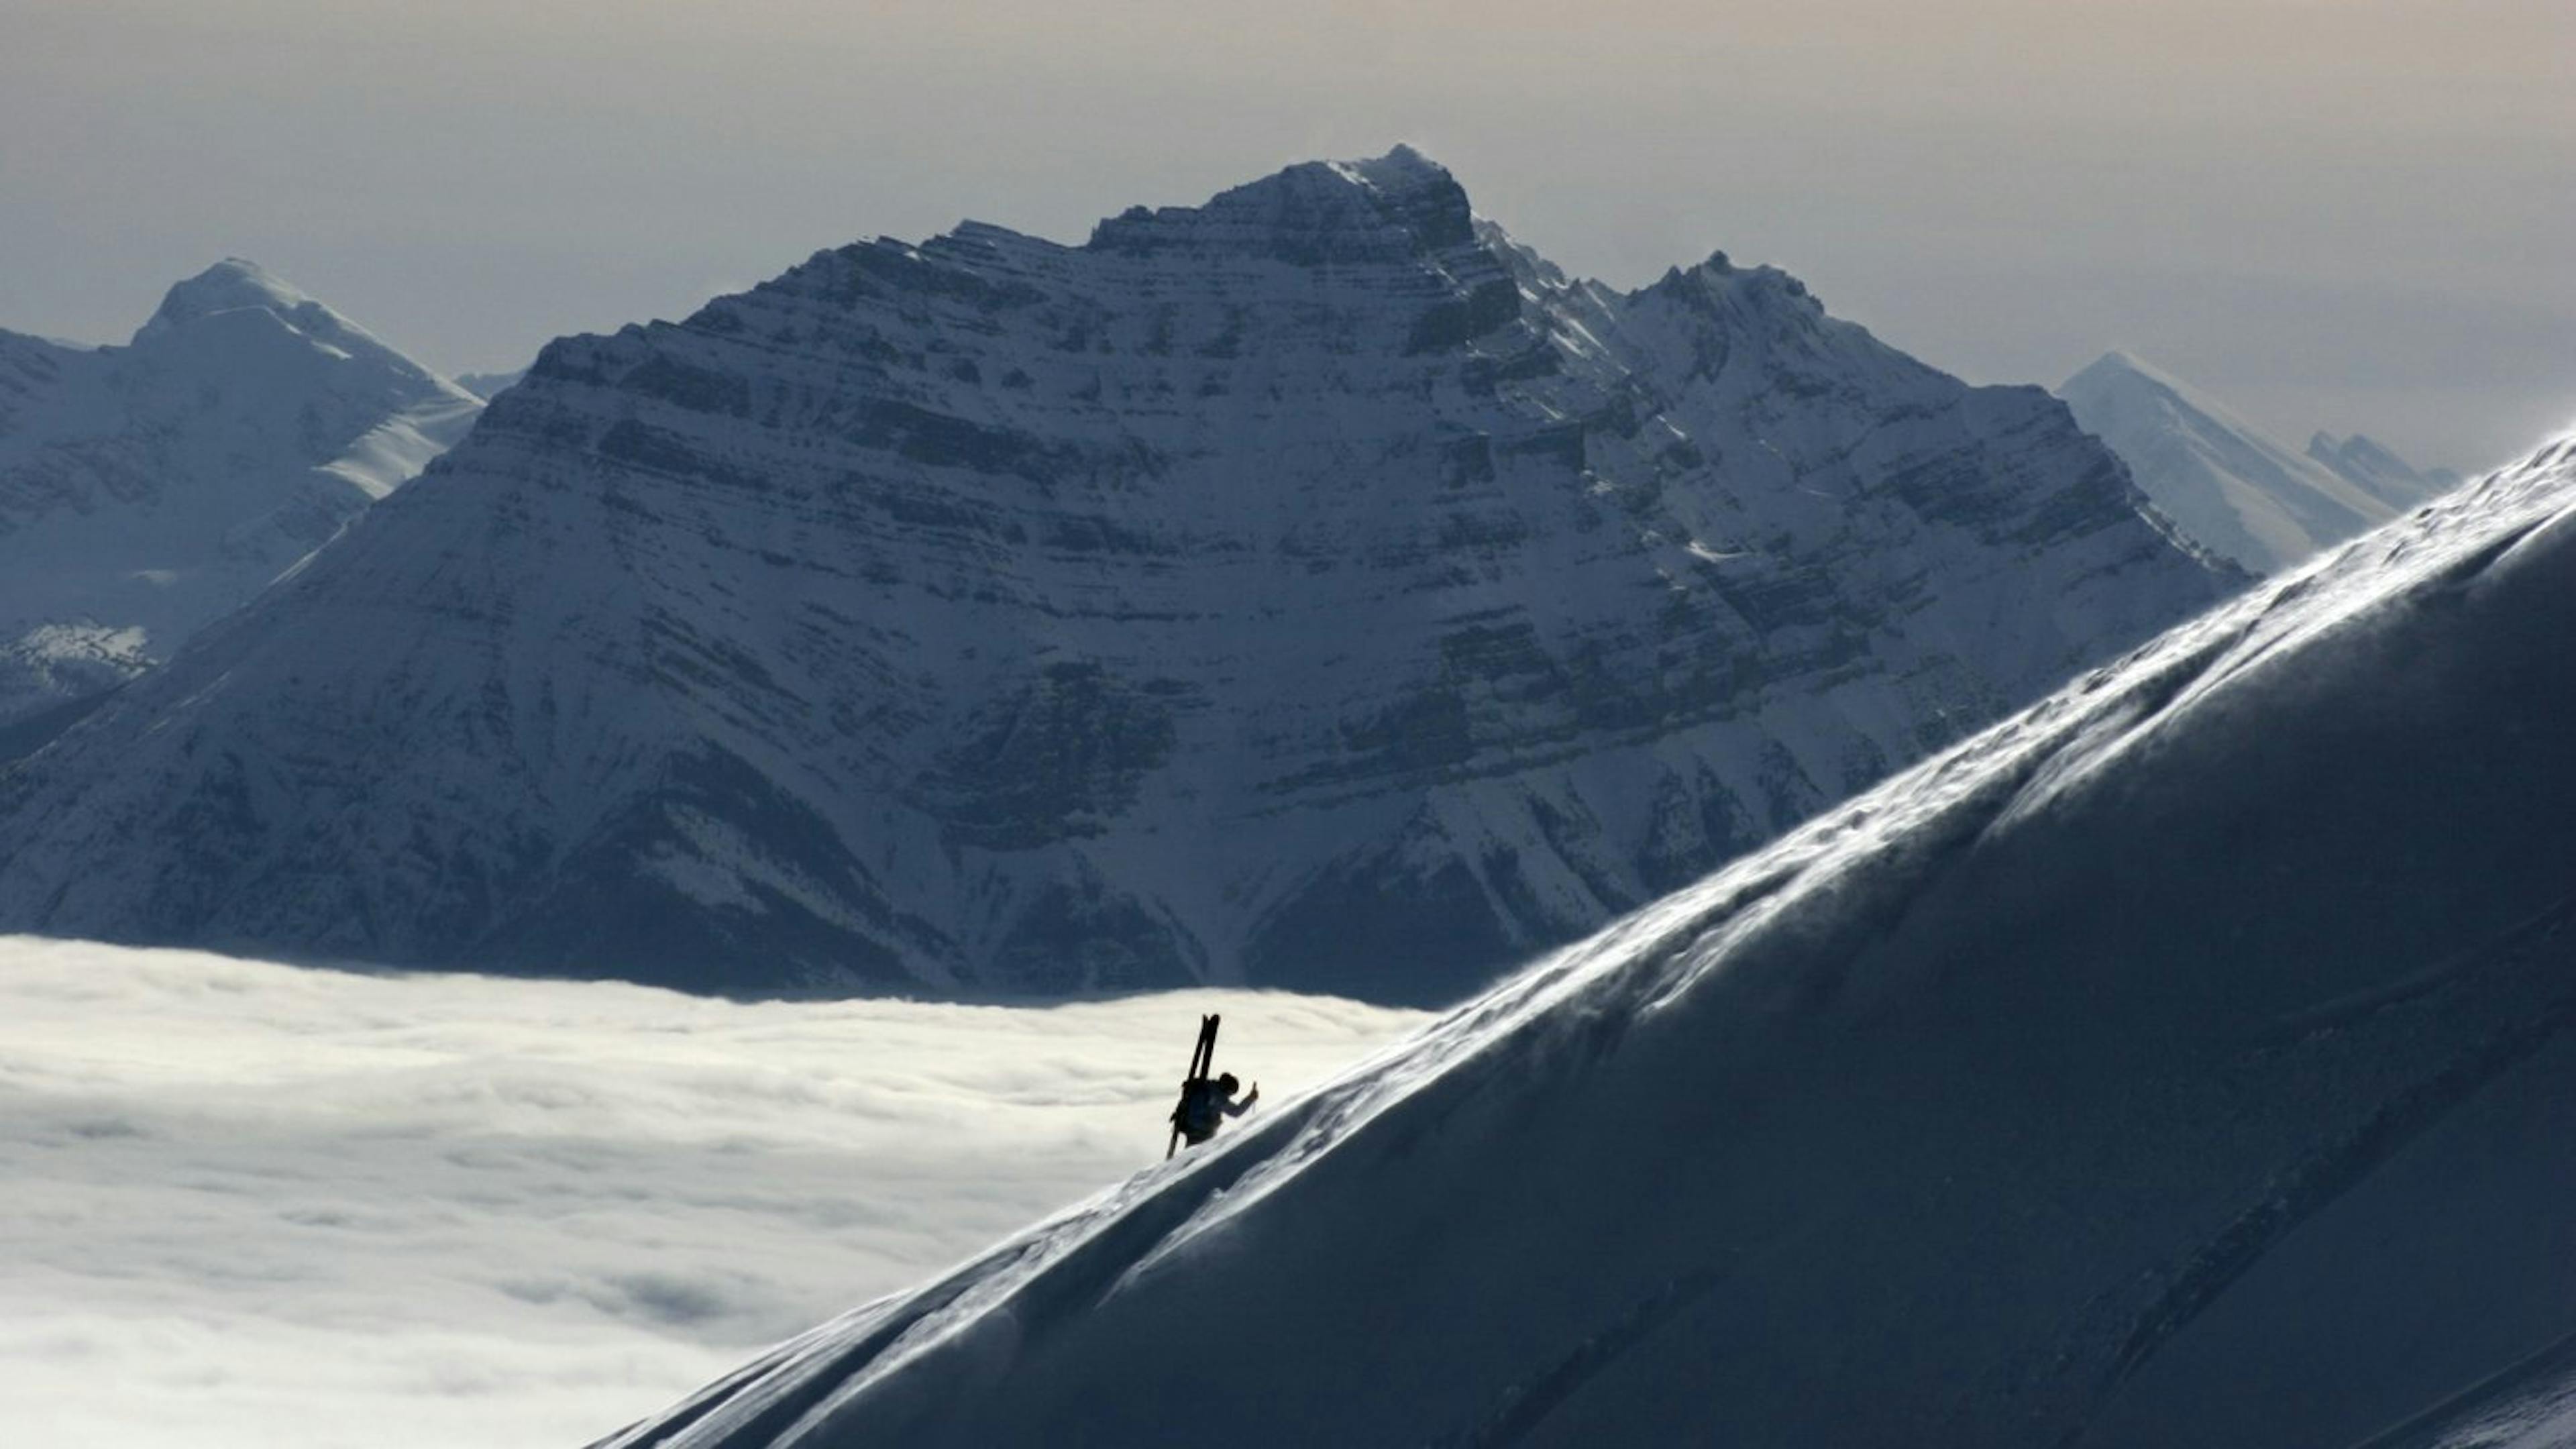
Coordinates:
[2225,484]
[147,489]
[2189,1060]
[1310,588]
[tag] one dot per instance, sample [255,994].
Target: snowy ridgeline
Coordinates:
[2188,1060]
[148,489]
[1312,588]
[2228,487]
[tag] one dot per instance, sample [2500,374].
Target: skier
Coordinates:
[1205,1103]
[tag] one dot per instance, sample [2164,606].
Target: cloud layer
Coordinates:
[254,1204]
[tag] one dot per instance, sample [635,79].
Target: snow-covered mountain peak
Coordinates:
[1388,208]
[1401,168]
[2356,451]
[149,488]
[250,306]
[1718,268]
[1760,328]
[1718,288]
[1311,587]
[2224,482]
[488,385]
[230,284]
[2117,368]
[2377,470]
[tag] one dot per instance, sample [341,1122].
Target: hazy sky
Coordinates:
[2340,214]
[266,1207]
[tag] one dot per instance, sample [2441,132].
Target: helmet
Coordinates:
[1227,1083]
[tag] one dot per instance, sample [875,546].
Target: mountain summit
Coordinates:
[234,285]
[231,285]
[2190,1059]
[1313,587]
[2228,486]
[146,490]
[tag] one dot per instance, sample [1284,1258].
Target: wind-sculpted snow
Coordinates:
[1311,588]
[147,489]
[2190,1059]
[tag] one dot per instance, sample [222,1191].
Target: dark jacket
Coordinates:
[1203,1105]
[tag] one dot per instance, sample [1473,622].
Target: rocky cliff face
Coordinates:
[148,489]
[1312,587]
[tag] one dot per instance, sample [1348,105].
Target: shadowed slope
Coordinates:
[2186,1060]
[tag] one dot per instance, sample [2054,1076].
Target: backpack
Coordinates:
[1197,1114]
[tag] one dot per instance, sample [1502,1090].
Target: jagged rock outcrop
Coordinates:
[1312,587]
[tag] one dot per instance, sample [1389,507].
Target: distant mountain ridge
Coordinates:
[2228,486]
[488,384]
[145,490]
[2376,470]
[1313,587]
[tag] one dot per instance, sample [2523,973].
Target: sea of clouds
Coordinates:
[250,1204]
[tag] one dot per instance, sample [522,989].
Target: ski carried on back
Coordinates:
[1196,1085]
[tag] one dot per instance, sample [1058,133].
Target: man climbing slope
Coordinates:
[1205,1103]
